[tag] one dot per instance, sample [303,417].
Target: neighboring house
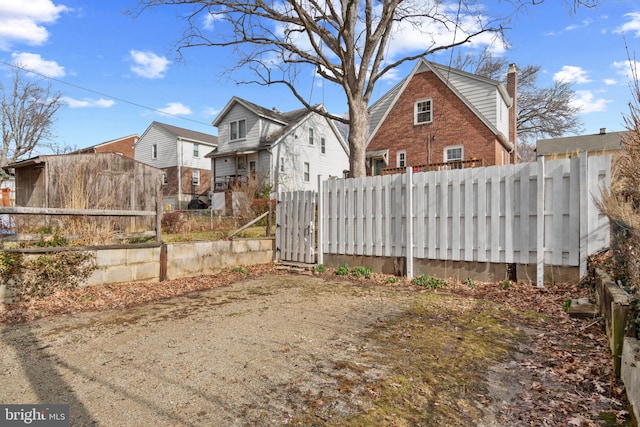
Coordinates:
[284,151]
[180,153]
[440,117]
[598,144]
[123,146]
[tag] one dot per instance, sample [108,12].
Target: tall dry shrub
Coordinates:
[81,186]
[621,203]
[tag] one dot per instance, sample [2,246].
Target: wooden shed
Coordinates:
[106,181]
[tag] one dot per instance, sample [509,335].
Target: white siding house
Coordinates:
[180,153]
[286,151]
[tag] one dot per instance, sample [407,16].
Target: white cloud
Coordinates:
[586,102]
[175,109]
[35,62]
[87,103]
[22,21]
[148,64]
[610,82]
[624,68]
[632,26]
[571,74]
[211,111]
[209,21]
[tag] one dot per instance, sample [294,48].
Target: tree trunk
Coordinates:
[358,138]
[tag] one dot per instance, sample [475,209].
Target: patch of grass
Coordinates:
[240,270]
[392,280]
[436,359]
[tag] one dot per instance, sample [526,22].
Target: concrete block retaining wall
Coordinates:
[118,264]
[625,348]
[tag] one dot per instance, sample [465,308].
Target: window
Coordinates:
[196,150]
[422,112]
[323,145]
[307,175]
[238,130]
[154,151]
[453,153]
[195,177]
[402,159]
[165,179]
[281,164]
[310,136]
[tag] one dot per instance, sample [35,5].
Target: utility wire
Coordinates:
[115,98]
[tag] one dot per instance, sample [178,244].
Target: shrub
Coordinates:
[429,282]
[172,222]
[42,275]
[361,272]
[343,270]
[320,268]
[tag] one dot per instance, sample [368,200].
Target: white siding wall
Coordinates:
[188,160]
[167,153]
[296,151]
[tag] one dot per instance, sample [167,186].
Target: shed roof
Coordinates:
[603,141]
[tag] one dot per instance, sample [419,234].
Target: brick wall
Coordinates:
[123,146]
[453,124]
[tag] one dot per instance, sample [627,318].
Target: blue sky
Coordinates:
[117,74]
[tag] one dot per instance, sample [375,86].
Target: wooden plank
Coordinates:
[387,216]
[481,224]
[409,222]
[320,220]
[494,213]
[368,215]
[455,194]
[508,217]
[469,214]
[378,216]
[419,212]
[432,212]
[540,223]
[16,210]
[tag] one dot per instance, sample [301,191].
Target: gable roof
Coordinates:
[603,141]
[289,121]
[93,147]
[266,113]
[458,81]
[186,134]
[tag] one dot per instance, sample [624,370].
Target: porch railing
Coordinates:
[458,164]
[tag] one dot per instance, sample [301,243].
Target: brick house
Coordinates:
[123,146]
[439,117]
[180,153]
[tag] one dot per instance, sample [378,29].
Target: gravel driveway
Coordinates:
[240,355]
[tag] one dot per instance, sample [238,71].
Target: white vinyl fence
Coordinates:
[498,214]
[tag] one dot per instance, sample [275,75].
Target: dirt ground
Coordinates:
[288,349]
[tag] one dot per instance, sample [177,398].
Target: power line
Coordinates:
[115,98]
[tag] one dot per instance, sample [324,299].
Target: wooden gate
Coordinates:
[295,232]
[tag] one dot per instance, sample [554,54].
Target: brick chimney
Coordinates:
[512,90]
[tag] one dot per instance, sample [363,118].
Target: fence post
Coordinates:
[319,221]
[540,219]
[409,222]
[583,248]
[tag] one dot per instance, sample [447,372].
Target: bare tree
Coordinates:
[346,42]
[27,117]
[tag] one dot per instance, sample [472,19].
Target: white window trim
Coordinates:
[323,146]
[445,155]
[398,155]
[307,172]
[196,150]
[237,123]
[165,179]
[415,111]
[154,151]
[311,136]
[195,177]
